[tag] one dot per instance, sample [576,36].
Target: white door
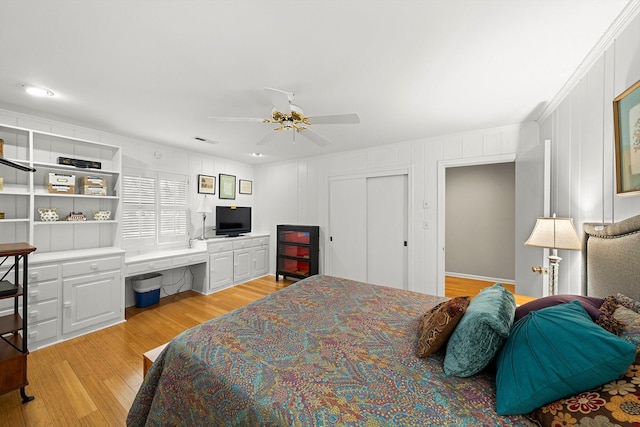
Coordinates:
[260,261]
[348,229]
[368,225]
[533,199]
[89,300]
[220,270]
[387,225]
[242,263]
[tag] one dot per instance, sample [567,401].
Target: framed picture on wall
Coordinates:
[227,188]
[206,184]
[245,186]
[626,121]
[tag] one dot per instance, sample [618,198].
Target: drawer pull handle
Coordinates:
[33,313]
[33,334]
[67,305]
[33,274]
[33,294]
[94,266]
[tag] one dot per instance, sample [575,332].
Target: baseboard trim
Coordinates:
[484,278]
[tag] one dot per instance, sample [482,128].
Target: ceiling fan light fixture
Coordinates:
[38,91]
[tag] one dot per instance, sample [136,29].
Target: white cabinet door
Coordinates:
[242,261]
[260,261]
[220,270]
[90,300]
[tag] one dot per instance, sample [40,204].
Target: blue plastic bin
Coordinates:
[146,289]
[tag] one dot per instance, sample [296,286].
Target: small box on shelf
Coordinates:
[93,181]
[61,179]
[92,190]
[61,189]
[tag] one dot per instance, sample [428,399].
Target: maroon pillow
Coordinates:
[590,304]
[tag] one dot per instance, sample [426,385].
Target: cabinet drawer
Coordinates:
[220,247]
[189,259]
[39,274]
[42,311]
[148,266]
[42,291]
[43,330]
[242,244]
[91,266]
[261,241]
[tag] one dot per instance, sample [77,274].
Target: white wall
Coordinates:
[298,191]
[580,126]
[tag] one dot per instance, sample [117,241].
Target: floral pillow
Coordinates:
[616,403]
[437,325]
[631,321]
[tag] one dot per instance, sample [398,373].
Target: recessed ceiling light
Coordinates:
[257,154]
[37,91]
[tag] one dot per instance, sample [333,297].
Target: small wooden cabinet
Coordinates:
[13,327]
[297,254]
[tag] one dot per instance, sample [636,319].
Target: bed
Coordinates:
[330,351]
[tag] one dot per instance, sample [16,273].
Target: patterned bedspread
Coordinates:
[322,352]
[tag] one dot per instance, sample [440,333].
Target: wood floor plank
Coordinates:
[75,392]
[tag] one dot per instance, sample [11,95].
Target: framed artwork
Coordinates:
[206,184]
[626,121]
[227,188]
[246,187]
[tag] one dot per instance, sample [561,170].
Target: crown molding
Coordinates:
[629,13]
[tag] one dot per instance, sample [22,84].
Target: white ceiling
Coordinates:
[156,69]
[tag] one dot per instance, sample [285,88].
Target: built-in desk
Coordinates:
[163,260]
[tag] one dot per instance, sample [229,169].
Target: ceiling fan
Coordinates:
[290,117]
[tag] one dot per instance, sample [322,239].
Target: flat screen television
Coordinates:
[233,220]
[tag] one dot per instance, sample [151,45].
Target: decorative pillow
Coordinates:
[613,404]
[481,332]
[628,302]
[607,320]
[591,304]
[438,323]
[631,325]
[556,352]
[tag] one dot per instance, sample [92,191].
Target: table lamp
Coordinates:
[554,233]
[204,208]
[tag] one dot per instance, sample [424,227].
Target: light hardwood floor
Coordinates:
[92,380]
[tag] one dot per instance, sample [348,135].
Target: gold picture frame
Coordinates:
[626,118]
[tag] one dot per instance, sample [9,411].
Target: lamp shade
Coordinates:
[554,233]
[204,206]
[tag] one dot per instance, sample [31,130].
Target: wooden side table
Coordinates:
[13,327]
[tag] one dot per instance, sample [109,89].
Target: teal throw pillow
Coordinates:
[481,332]
[556,352]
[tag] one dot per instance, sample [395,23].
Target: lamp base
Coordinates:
[204,218]
[554,267]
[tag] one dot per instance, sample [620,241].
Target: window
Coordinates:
[145,222]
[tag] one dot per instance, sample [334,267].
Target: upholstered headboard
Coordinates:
[611,258]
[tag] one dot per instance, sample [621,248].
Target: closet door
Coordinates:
[368,225]
[348,229]
[387,224]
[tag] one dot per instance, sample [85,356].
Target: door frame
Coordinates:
[442,168]
[378,173]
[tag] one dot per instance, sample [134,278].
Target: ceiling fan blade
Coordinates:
[335,119]
[280,99]
[268,138]
[315,137]
[236,119]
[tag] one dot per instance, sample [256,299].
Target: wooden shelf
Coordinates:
[10,323]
